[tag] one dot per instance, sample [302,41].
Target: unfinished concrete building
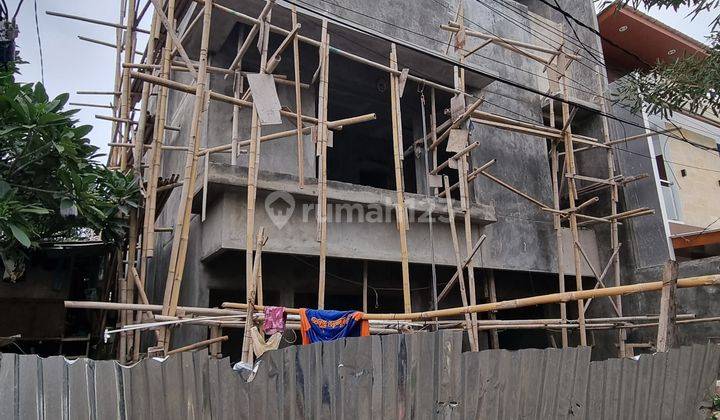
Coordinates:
[327,135]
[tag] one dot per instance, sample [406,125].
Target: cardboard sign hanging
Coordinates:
[265,98]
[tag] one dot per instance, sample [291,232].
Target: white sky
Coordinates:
[71,64]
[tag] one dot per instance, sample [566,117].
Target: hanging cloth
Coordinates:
[260,346]
[326,325]
[274,319]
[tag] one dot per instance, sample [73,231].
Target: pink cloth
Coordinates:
[274,320]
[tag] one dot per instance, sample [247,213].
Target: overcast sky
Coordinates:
[71,64]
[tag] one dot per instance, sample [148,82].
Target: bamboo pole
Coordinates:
[557,225]
[298,103]
[667,330]
[494,338]
[572,193]
[251,295]
[465,197]
[99,22]
[365,286]
[125,96]
[454,278]
[459,265]
[138,153]
[322,159]
[182,87]
[199,344]
[253,168]
[182,226]
[400,211]
[238,85]
[552,298]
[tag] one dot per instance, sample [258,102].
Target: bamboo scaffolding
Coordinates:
[321,147]
[182,225]
[572,194]
[552,298]
[463,166]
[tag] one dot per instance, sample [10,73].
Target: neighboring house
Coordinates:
[686,161]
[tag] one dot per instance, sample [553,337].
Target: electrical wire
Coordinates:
[583,46]
[332,17]
[37,31]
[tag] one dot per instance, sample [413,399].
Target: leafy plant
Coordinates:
[50,186]
[689,83]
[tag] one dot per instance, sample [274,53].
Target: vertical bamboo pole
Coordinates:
[463,168]
[150,190]
[572,193]
[182,226]
[125,95]
[122,298]
[433,131]
[557,225]
[247,354]
[298,102]
[494,338]
[238,85]
[399,187]
[129,283]
[458,261]
[614,236]
[253,167]
[365,287]
[322,158]
[667,329]
[112,158]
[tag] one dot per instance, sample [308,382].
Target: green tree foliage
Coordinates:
[689,83]
[50,186]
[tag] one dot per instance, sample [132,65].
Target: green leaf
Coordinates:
[4,188]
[40,94]
[82,131]
[62,99]
[20,235]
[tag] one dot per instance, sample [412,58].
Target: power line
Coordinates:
[600,62]
[362,29]
[596,32]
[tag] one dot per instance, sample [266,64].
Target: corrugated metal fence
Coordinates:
[420,375]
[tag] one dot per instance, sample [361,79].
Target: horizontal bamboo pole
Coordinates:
[471,176]
[104,43]
[213,95]
[455,157]
[253,21]
[95,21]
[337,124]
[641,136]
[198,345]
[710,280]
